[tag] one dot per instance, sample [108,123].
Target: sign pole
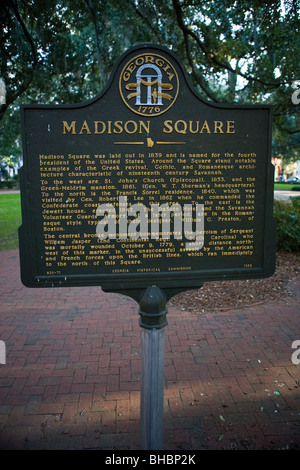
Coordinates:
[152,310]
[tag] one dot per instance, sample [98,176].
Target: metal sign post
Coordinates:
[153,312]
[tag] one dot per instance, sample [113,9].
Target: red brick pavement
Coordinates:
[72,373]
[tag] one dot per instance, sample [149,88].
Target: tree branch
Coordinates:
[11,98]
[145,19]
[25,31]
[212,59]
[294,131]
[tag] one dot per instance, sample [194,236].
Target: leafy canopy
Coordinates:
[241,51]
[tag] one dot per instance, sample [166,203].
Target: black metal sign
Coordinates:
[147,184]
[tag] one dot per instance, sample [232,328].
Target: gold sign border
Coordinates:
[126,102]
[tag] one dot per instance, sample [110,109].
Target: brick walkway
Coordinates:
[72,373]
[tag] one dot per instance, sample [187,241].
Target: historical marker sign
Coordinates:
[99,176]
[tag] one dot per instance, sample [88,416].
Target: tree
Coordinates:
[256,43]
[236,51]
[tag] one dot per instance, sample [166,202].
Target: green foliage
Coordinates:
[287,216]
[287,186]
[10,183]
[235,51]
[10,220]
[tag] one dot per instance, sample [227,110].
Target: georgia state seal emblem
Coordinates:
[149,84]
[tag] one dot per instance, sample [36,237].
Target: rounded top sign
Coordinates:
[149,84]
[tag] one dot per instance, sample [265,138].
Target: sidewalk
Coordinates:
[285,194]
[9,191]
[72,373]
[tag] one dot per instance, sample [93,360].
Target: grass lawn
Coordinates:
[285,186]
[10,220]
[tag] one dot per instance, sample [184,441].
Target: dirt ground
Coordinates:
[226,295]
